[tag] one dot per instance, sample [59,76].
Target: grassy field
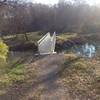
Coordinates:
[80,75]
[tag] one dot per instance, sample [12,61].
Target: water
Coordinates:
[86,50]
[17,55]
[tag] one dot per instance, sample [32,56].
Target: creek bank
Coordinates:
[60,45]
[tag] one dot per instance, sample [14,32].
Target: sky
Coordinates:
[46,1]
[92,2]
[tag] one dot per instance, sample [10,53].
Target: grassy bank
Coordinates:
[82,77]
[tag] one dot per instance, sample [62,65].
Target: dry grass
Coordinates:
[32,36]
[35,36]
[82,77]
[67,36]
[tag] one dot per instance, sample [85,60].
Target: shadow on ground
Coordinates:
[21,91]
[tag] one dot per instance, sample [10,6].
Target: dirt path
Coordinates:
[46,85]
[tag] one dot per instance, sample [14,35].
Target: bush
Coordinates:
[3,51]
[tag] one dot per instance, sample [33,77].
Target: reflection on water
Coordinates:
[18,55]
[86,50]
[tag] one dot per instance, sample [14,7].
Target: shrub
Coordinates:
[3,51]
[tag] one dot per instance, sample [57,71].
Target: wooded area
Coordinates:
[18,16]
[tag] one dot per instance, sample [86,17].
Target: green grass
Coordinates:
[17,73]
[10,75]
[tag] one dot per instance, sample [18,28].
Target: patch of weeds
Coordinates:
[17,73]
[11,75]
